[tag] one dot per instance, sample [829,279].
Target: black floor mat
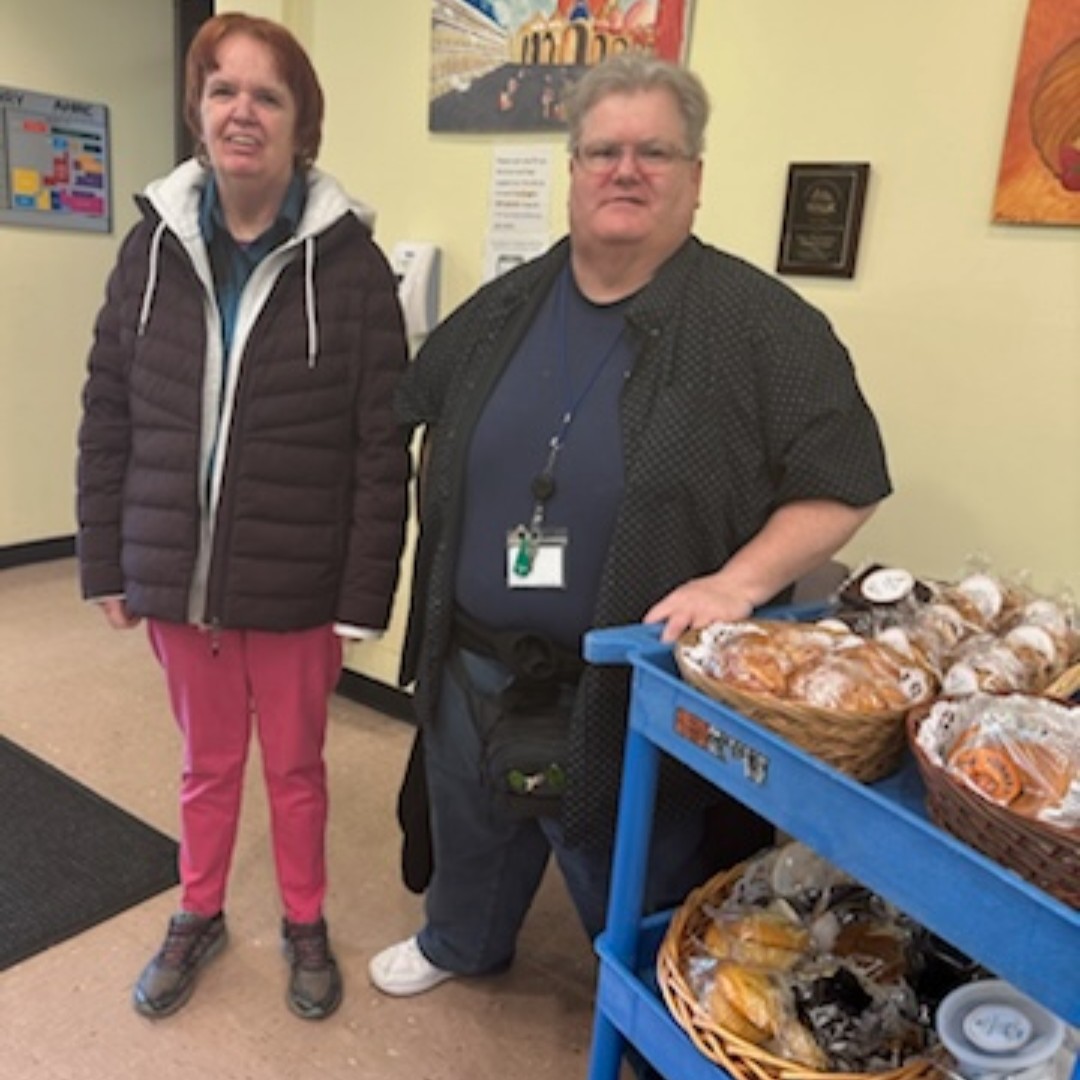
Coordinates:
[68,858]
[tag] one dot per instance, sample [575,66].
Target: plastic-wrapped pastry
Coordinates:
[763,938]
[795,1042]
[724,1012]
[866,677]
[1059,620]
[878,947]
[753,993]
[932,622]
[809,663]
[1024,775]
[899,640]
[847,1002]
[759,657]
[838,683]
[972,614]
[996,602]
[985,662]
[1040,654]
[1046,774]
[989,769]
[740,653]
[876,597]
[807,643]
[1019,751]
[938,629]
[756,665]
[758,1007]
[861,1026]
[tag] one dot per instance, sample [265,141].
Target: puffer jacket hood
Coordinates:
[174,201]
[175,197]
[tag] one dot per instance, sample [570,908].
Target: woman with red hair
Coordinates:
[241,481]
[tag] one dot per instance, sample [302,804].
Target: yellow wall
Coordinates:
[966,334]
[52,281]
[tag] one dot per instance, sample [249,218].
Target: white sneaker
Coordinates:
[403,970]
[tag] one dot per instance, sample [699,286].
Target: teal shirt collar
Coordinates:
[233,263]
[212,217]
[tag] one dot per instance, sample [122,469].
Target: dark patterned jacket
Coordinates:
[741,399]
[269,492]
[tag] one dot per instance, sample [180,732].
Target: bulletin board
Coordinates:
[54,162]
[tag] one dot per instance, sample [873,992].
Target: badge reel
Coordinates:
[535,554]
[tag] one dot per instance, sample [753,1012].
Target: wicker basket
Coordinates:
[1045,856]
[864,746]
[741,1059]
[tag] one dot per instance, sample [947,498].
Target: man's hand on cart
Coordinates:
[698,603]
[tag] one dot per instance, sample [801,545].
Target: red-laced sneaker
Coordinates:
[169,979]
[314,980]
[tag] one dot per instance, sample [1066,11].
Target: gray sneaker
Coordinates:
[314,980]
[169,979]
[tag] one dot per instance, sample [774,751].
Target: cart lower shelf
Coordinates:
[635,1013]
[878,833]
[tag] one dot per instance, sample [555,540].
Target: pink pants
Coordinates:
[219,684]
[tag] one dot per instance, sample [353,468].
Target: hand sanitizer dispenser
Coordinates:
[416,265]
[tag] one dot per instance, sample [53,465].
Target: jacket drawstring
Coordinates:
[309,290]
[151,278]
[309,300]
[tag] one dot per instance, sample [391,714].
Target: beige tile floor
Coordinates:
[90,701]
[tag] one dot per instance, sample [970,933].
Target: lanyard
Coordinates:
[542,488]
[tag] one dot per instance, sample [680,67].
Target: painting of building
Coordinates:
[499,65]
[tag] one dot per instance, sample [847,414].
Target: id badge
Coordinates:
[536,560]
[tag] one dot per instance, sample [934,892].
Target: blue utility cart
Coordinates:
[879,833]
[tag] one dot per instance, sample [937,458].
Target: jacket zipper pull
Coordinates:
[215,638]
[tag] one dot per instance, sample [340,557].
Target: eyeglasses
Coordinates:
[649,157]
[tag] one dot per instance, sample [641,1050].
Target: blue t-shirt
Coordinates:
[575,358]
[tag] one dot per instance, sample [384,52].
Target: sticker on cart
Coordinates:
[722,746]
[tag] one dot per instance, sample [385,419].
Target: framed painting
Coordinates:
[1039,176]
[507,65]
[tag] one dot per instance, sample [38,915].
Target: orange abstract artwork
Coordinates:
[1039,179]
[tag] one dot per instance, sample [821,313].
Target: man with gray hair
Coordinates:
[634,426]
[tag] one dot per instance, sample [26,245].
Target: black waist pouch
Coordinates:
[524,731]
[524,751]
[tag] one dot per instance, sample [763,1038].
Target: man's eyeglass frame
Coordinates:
[650,157]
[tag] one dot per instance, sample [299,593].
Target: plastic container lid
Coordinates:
[887,585]
[990,1027]
[997,1029]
